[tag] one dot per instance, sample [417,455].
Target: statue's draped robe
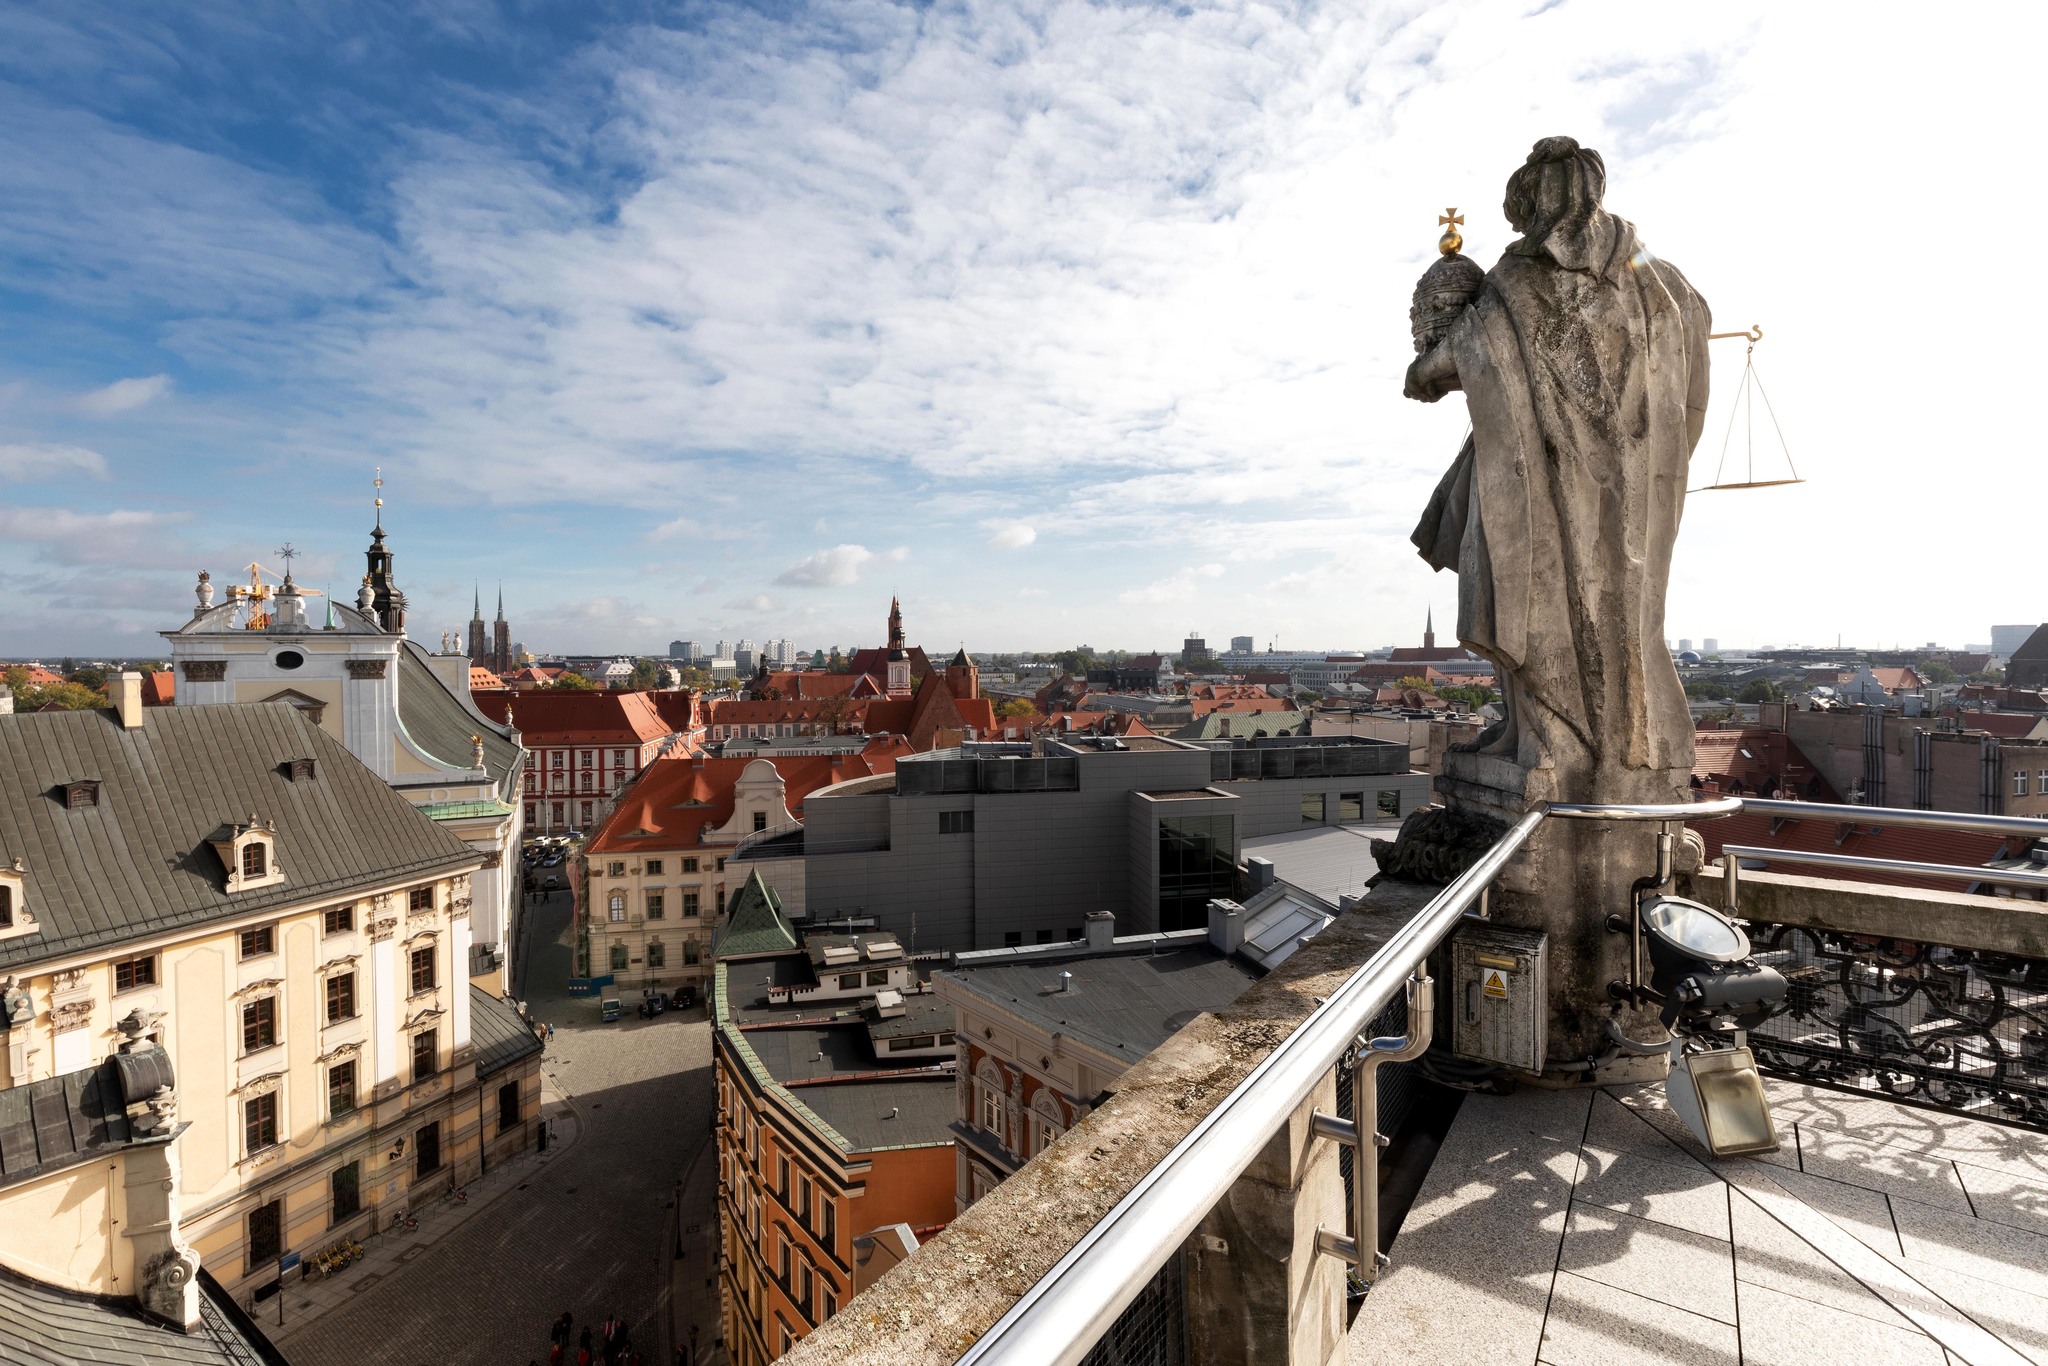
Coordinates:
[1583,362]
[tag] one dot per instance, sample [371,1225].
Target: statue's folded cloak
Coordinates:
[1583,362]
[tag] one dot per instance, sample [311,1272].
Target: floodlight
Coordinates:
[1703,971]
[1721,1099]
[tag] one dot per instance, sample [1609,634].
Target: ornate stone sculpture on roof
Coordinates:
[1583,361]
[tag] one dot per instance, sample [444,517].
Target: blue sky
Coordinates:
[1067,322]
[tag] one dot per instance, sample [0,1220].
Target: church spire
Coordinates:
[895,624]
[385,599]
[1429,628]
[501,602]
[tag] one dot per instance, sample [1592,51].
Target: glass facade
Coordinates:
[1195,867]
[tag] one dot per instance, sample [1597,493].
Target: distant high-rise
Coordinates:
[723,650]
[679,649]
[2006,639]
[1711,645]
[1242,645]
[1684,644]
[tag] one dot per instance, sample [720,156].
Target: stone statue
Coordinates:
[1584,366]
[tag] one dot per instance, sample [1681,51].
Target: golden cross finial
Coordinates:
[1450,220]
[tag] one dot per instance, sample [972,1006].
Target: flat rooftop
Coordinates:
[1328,860]
[1125,1004]
[1588,1226]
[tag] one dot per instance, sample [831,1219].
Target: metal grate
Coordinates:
[1399,1083]
[1153,1331]
[1958,1029]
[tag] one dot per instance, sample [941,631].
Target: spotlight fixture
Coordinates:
[1702,968]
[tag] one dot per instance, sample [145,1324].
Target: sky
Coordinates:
[1068,323]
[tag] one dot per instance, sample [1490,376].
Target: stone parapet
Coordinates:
[1956,919]
[930,1309]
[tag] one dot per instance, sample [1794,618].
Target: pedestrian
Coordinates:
[563,1327]
[551,1031]
[583,1355]
[583,1345]
[555,1354]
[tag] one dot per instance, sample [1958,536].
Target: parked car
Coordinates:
[609,1009]
[652,1003]
[685,997]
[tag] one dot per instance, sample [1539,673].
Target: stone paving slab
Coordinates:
[1878,1233]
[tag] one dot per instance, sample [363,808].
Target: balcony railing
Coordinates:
[1119,1266]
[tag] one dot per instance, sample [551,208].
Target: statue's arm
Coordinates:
[1434,374]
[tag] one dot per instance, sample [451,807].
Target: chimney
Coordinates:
[1226,925]
[1101,930]
[6,700]
[1260,871]
[124,690]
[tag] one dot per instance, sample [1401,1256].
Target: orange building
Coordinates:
[834,1067]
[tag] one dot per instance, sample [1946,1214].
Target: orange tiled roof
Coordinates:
[674,800]
[159,688]
[1892,680]
[480,677]
[601,717]
[1758,759]
[1826,835]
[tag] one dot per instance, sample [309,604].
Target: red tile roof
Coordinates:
[578,718]
[159,688]
[1893,680]
[678,798]
[2007,725]
[480,677]
[805,686]
[1759,759]
[1828,835]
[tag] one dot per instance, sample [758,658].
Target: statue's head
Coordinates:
[1558,187]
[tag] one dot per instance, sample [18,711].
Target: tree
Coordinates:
[647,674]
[1016,706]
[1760,690]
[1707,690]
[64,696]
[89,677]
[690,676]
[837,663]
[1935,672]
[836,713]
[1075,662]
[571,681]
[1474,697]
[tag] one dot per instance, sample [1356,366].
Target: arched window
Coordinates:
[253,860]
[988,1080]
[616,906]
[1047,1120]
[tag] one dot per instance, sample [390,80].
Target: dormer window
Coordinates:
[82,793]
[298,770]
[248,853]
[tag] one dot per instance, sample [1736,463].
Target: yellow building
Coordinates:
[231,883]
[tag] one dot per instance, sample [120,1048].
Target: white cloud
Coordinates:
[1174,588]
[834,568]
[694,529]
[1010,535]
[124,395]
[759,602]
[24,463]
[130,537]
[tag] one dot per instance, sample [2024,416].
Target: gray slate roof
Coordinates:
[1125,1004]
[138,863]
[441,723]
[41,1325]
[497,1032]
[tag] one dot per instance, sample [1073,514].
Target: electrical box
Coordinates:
[1500,998]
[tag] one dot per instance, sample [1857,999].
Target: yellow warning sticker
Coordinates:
[1496,984]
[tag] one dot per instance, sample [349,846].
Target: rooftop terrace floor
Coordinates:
[1579,1227]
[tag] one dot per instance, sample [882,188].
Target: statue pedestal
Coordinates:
[1570,876]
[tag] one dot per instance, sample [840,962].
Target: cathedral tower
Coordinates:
[899,656]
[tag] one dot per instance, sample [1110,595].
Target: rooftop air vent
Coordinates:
[81,793]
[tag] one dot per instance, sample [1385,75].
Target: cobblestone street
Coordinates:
[585,1231]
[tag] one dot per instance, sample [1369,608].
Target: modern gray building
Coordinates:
[995,845]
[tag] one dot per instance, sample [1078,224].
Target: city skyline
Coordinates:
[1074,329]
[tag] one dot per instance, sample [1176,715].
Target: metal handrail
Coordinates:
[1954,872]
[1061,1317]
[1894,815]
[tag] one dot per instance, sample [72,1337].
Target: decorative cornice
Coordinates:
[341,1050]
[381,930]
[347,960]
[266,987]
[366,668]
[430,1013]
[206,670]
